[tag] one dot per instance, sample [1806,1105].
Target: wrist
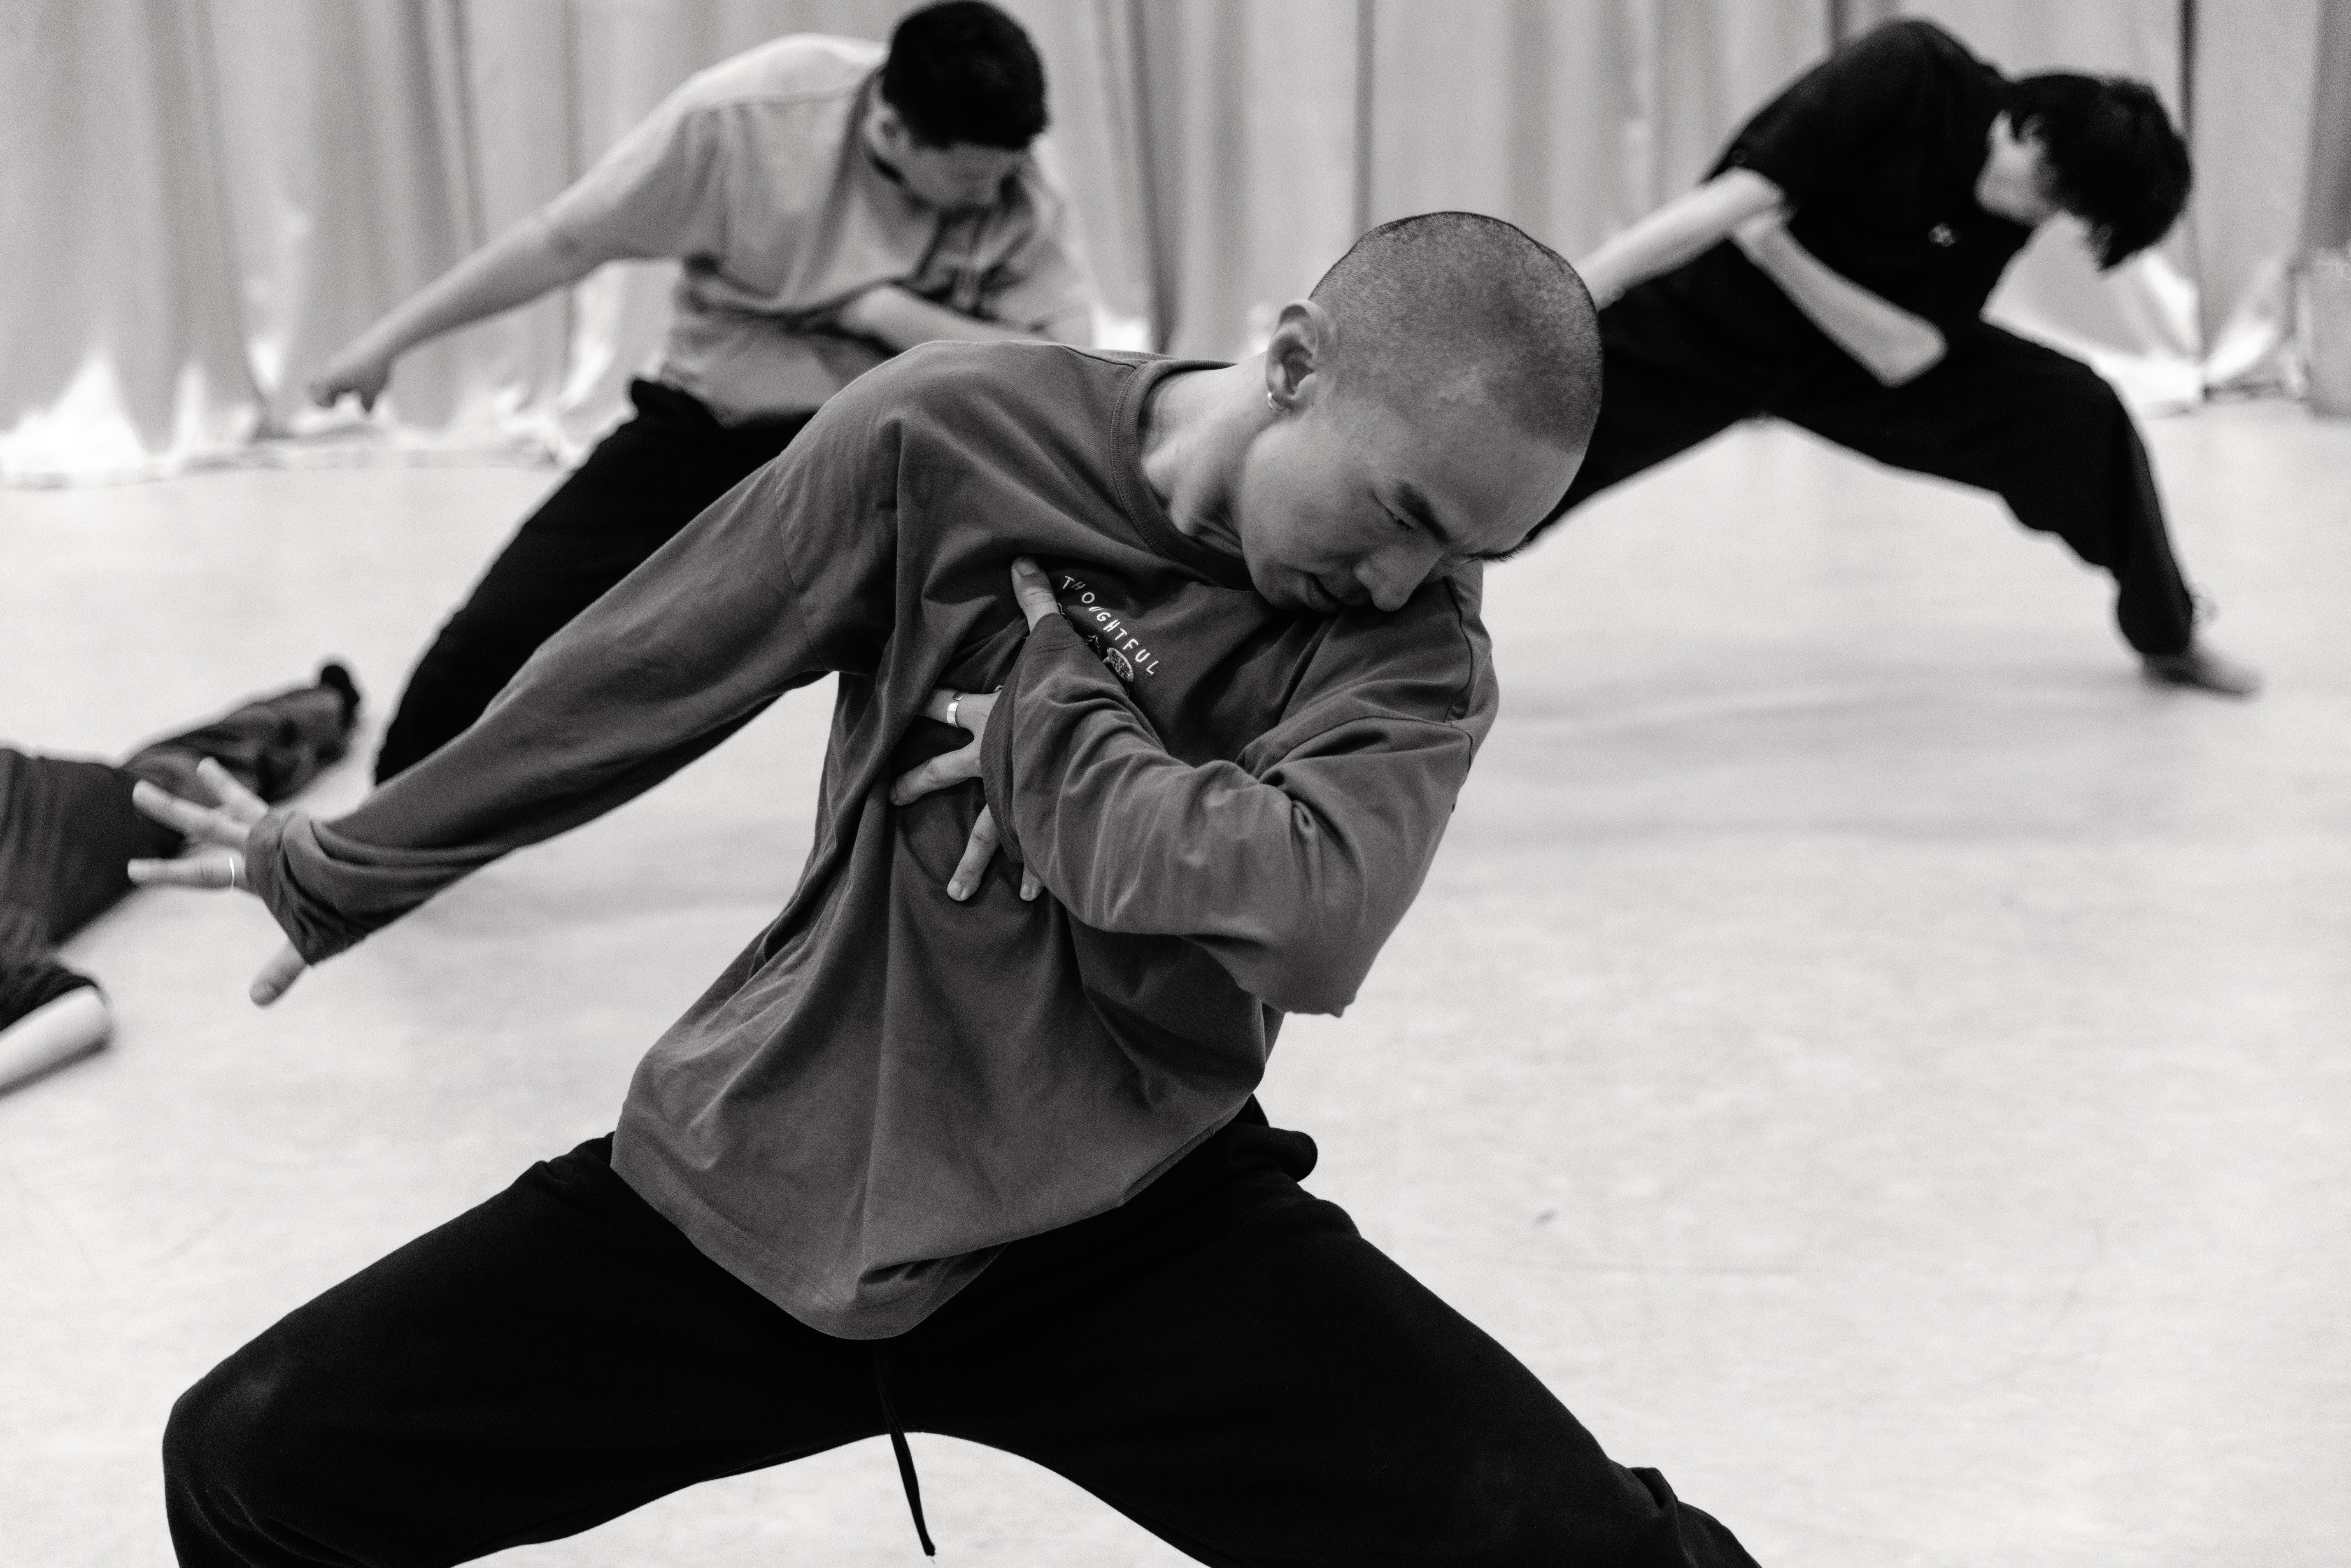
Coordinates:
[377,347]
[1760,239]
[856,312]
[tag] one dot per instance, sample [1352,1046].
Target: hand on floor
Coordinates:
[2200,667]
[229,824]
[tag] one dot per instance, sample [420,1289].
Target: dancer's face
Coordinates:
[1349,498]
[2018,181]
[959,177]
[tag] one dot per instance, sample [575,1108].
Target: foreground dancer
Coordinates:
[831,207]
[1832,272]
[68,826]
[949,1158]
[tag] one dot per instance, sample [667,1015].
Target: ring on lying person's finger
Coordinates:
[954,703]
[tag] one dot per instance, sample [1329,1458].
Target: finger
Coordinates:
[936,709]
[949,767]
[977,850]
[238,801]
[276,976]
[204,822]
[216,872]
[1033,590]
[1028,882]
[977,706]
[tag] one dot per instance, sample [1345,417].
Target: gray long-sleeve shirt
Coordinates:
[1229,805]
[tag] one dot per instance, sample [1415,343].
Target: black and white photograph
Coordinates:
[689,688]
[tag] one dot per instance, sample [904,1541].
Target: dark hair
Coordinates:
[1431,297]
[964,72]
[2118,164]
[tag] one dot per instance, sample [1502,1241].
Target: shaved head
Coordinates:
[1460,307]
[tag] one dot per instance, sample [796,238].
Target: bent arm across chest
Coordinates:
[1687,226]
[1292,877]
[1893,344]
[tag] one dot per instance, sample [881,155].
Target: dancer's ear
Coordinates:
[1297,355]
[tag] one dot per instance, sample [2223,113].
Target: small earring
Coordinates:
[1274,402]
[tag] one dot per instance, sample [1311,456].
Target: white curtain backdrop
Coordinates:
[204,198]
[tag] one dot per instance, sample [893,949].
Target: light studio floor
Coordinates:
[1880,1061]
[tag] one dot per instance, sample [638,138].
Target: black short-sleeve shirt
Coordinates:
[1879,147]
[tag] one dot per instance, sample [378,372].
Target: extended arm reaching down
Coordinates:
[656,673]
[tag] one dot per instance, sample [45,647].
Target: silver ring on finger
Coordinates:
[954,703]
[235,870]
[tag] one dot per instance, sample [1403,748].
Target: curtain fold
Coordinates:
[205,198]
[123,322]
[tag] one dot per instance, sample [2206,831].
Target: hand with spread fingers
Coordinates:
[225,824]
[969,711]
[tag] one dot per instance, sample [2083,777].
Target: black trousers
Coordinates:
[2042,431]
[1224,1360]
[641,484]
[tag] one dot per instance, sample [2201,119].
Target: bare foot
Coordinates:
[2200,667]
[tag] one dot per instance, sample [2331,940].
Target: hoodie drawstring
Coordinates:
[898,1446]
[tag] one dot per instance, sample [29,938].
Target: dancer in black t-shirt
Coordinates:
[1831,271]
[68,828]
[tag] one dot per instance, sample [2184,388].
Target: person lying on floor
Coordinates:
[68,826]
[955,1145]
[1831,271]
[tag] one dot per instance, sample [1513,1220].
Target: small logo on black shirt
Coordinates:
[1941,235]
[1105,633]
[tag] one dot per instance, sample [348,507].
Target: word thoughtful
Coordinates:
[1106,633]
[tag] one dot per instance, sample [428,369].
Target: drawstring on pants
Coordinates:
[898,1446]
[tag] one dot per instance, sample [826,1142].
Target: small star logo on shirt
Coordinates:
[1941,235]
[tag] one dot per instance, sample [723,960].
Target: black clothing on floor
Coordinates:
[30,975]
[638,488]
[1879,148]
[68,828]
[1224,1360]
[2041,430]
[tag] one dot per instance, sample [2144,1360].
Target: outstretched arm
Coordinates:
[1891,343]
[513,269]
[1687,226]
[782,581]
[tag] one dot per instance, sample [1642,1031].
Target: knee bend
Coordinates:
[224,1431]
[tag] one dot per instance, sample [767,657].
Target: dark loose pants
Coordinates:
[2041,430]
[641,484]
[1224,1360]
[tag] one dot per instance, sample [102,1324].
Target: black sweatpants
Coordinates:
[1224,1360]
[641,484]
[2041,430]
